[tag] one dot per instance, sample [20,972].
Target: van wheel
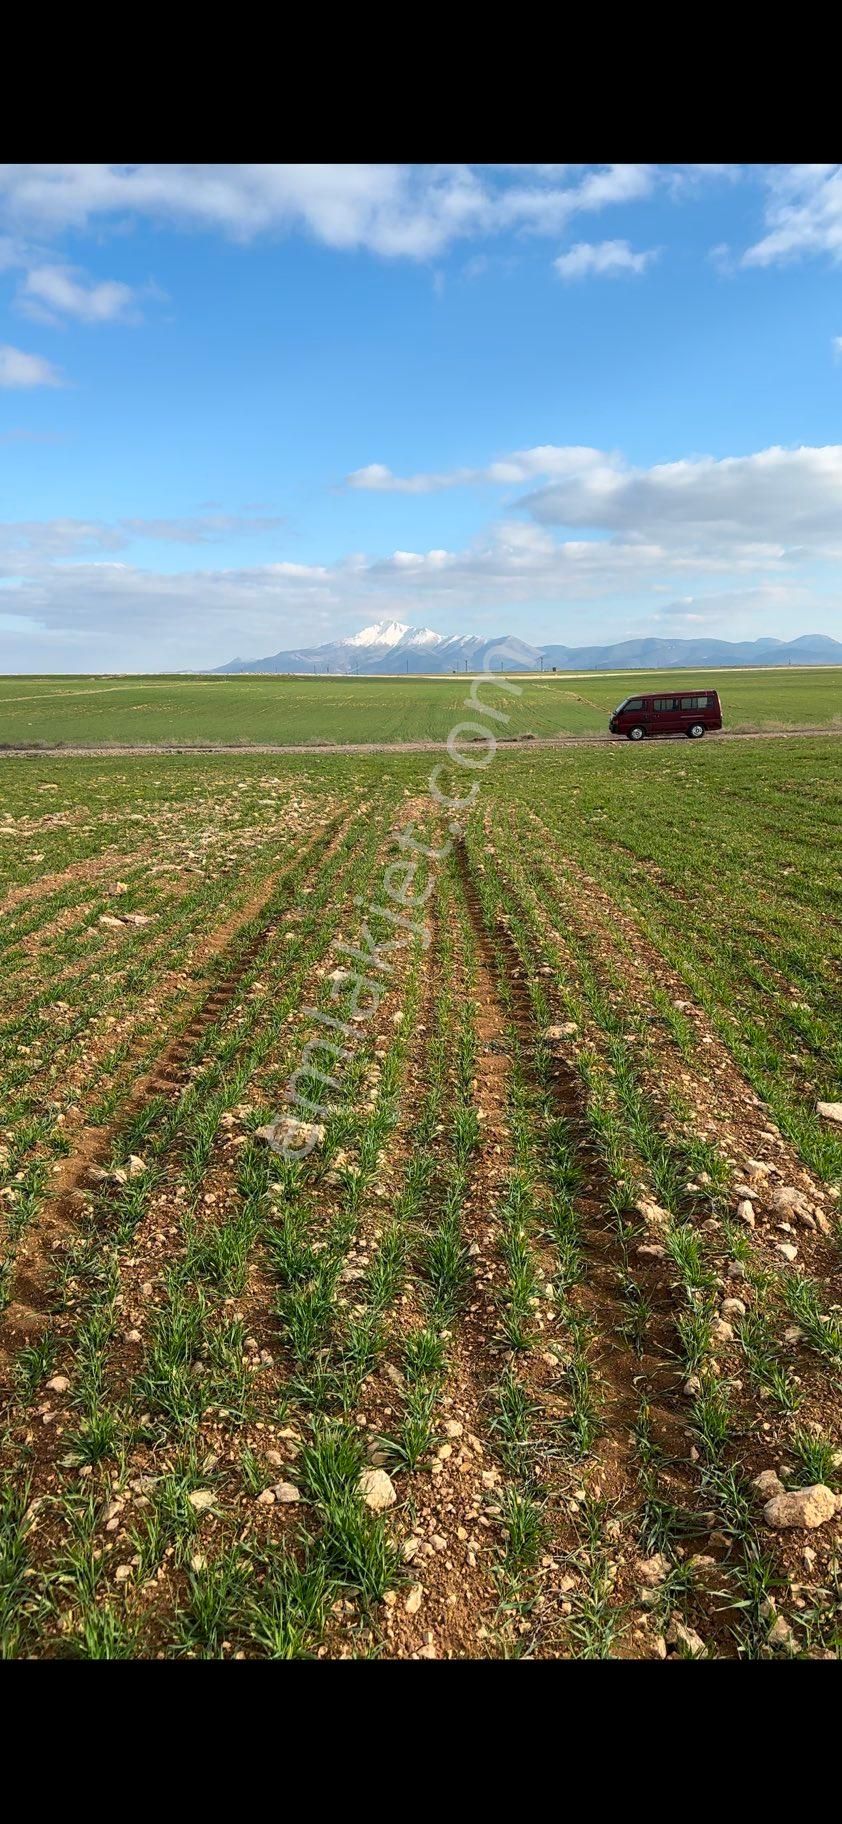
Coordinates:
[636,734]
[696,732]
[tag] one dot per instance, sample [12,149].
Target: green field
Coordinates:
[492,1370]
[104,710]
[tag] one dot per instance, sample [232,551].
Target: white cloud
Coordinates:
[545,460]
[50,292]
[392,210]
[765,505]
[18,369]
[59,538]
[803,215]
[693,534]
[602,259]
[837,347]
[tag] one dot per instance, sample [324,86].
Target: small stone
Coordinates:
[652,1571]
[680,1636]
[554,1034]
[266,1498]
[788,1250]
[767,1484]
[653,1214]
[414,1599]
[377,1489]
[722,1332]
[745,1212]
[59,1383]
[286,1493]
[787,1200]
[830,1111]
[732,1307]
[781,1637]
[201,1499]
[136,1165]
[804,1507]
[122,1572]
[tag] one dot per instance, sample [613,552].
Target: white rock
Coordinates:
[733,1307]
[201,1498]
[767,1484]
[680,1636]
[830,1111]
[287,1132]
[286,1493]
[414,1599]
[59,1383]
[653,1570]
[805,1507]
[787,1200]
[377,1489]
[781,1637]
[745,1211]
[652,1214]
[554,1034]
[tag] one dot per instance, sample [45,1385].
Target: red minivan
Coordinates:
[691,713]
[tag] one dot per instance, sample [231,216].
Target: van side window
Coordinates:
[694,702]
[664,703]
[633,703]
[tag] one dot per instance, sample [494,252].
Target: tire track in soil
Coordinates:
[28,1310]
[456,1555]
[626,1379]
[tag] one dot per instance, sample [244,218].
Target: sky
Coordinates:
[247,408]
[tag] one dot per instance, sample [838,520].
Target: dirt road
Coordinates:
[317,748]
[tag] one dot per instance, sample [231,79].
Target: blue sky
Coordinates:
[244,408]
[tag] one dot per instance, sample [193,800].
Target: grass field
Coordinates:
[491,1369]
[70,710]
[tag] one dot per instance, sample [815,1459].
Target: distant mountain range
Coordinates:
[391,647]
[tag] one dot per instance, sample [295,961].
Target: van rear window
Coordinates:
[694,702]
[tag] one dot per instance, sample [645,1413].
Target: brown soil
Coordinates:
[318,748]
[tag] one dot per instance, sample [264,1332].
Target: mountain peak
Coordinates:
[389,634]
[380,633]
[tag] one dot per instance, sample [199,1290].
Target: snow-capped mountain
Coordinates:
[394,635]
[393,647]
